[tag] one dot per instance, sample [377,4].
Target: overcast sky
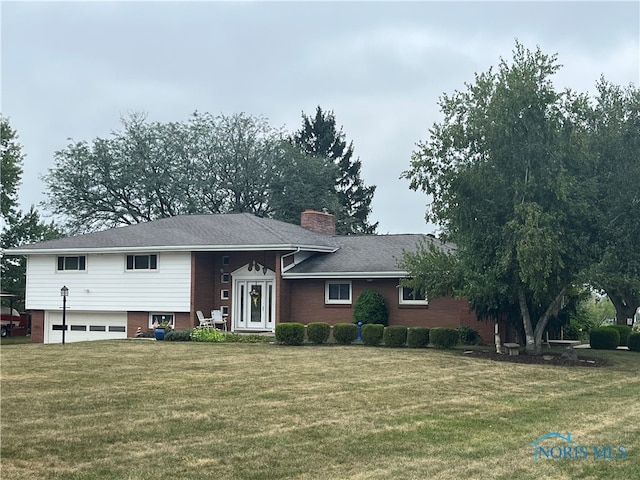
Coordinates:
[71,70]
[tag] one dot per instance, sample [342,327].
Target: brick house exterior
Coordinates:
[256,271]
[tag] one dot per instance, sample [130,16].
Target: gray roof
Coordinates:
[362,256]
[240,231]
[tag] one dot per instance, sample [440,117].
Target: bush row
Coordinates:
[374,334]
[611,337]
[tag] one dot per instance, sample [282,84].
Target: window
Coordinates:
[225,260]
[117,328]
[97,328]
[225,311]
[410,297]
[161,318]
[78,328]
[142,262]
[225,278]
[224,294]
[337,292]
[72,263]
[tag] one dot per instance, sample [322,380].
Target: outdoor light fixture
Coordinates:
[64,292]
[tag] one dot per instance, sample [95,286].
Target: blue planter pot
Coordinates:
[159,332]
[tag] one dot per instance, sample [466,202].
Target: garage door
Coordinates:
[85,326]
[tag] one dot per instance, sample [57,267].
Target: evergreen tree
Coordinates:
[319,136]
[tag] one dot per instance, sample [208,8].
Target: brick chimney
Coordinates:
[319,222]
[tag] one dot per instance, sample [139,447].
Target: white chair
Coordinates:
[204,322]
[216,319]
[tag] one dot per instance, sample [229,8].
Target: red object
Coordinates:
[18,322]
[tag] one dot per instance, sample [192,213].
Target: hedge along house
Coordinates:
[257,271]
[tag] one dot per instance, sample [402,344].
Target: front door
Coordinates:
[254,301]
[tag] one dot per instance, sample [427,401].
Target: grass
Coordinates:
[161,410]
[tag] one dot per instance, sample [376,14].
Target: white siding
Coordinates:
[106,286]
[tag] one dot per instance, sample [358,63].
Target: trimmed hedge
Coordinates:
[624,331]
[318,332]
[371,308]
[418,337]
[443,337]
[372,334]
[395,336]
[604,338]
[634,342]
[468,335]
[207,335]
[178,336]
[290,333]
[345,333]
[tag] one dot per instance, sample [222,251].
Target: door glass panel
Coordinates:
[256,303]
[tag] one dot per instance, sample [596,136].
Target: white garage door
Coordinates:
[85,326]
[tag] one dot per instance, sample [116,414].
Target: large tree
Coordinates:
[208,164]
[507,169]
[17,228]
[320,137]
[615,140]
[10,170]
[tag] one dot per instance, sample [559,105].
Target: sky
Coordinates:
[73,70]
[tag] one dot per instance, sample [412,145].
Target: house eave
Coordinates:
[330,275]
[166,248]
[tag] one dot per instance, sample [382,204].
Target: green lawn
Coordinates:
[140,409]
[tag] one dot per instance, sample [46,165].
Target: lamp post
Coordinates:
[64,292]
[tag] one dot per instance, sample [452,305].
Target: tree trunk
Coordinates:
[626,306]
[534,337]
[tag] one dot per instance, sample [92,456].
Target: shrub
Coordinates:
[443,337]
[345,333]
[249,338]
[395,336]
[417,337]
[207,335]
[468,336]
[178,336]
[318,332]
[634,342]
[370,308]
[290,333]
[604,338]
[372,334]
[624,331]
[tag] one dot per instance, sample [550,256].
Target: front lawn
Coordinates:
[140,409]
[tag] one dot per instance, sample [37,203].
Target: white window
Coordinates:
[142,262]
[225,278]
[224,294]
[337,292]
[408,296]
[161,318]
[72,263]
[225,310]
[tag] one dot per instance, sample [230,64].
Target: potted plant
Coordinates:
[161,329]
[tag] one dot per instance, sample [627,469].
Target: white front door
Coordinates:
[254,300]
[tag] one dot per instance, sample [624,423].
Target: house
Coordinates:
[257,271]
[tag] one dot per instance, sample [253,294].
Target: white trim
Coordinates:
[172,322]
[345,275]
[168,248]
[329,301]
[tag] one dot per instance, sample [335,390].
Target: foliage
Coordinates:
[372,334]
[207,335]
[178,335]
[250,338]
[395,336]
[371,307]
[624,331]
[290,333]
[604,338]
[208,164]
[319,137]
[468,335]
[511,180]
[345,333]
[634,342]
[417,337]
[318,332]
[10,170]
[615,141]
[441,337]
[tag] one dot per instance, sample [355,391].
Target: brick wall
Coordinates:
[318,222]
[37,326]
